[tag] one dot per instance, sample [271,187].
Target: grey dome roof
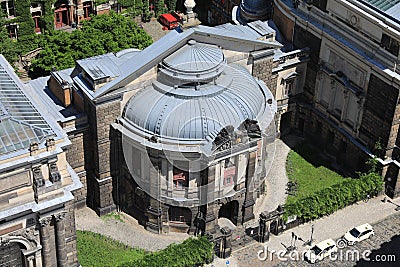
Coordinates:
[197,111]
[255,9]
[195,62]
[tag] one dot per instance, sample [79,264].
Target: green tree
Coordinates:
[146,13]
[160,7]
[134,7]
[7,46]
[102,34]
[171,4]
[24,18]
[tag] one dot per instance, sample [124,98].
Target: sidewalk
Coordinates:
[333,226]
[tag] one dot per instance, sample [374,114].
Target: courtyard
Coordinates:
[132,239]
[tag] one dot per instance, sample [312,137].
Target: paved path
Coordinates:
[154,29]
[276,177]
[375,212]
[128,232]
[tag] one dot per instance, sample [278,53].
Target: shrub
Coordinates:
[335,197]
[191,252]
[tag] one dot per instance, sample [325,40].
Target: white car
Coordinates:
[320,251]
[359,233]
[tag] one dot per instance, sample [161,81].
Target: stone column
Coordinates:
[345,105]
[206,196]
[38,259]
[331,105]
[30,261]
[49,257]
[248,204]
[60,239]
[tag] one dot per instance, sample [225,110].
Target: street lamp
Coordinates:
[309,242]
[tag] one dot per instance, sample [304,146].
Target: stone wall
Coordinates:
[70,234]
[302,39]
[100,185]
[379,108]
[336,145]
[262,69]
[284,24]
[76,158]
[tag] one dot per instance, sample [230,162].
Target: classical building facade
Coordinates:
[156,129]
[351,92]
[37,184]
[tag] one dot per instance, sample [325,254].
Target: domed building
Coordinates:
[194,140]
[175,135]
[252,10]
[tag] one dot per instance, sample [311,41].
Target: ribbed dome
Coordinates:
[196,112]
[194,62]
[252,10]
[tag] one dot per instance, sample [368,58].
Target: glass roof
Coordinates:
[20,122]
[383,4]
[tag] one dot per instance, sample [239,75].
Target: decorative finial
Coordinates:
[189,4]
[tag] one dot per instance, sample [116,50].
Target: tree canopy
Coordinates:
[101,34]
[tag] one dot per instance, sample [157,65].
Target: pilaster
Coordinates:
[47,240]
[60,239]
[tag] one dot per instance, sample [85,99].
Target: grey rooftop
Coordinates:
[20,122]
[192,111]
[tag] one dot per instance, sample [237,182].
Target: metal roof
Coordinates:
[99,67]
[254,9]
[394,11]
[387,7]
[196,111]
[383,4]
[152,55]
[194,62]
[195,57]
[20,122]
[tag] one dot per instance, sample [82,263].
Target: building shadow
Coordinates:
[387,255]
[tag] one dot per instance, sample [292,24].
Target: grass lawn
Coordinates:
[305,166]
[97,250]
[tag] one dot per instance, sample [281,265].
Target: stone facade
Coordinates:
[93,124]
[100,190]
[37,186]
[351,98]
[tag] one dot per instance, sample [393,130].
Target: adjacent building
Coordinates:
[66,13]
[350,104]
[37,184]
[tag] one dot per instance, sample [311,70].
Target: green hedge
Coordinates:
[336,197]
[191,252]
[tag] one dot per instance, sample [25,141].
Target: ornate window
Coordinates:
[180,178]
[229,172]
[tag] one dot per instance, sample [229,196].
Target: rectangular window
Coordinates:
[180,178]
[229,175]
[390,44]
[11,10]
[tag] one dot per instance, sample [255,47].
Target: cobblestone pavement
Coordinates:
[383,216]
[154,29]
[385,231]
[128,232]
